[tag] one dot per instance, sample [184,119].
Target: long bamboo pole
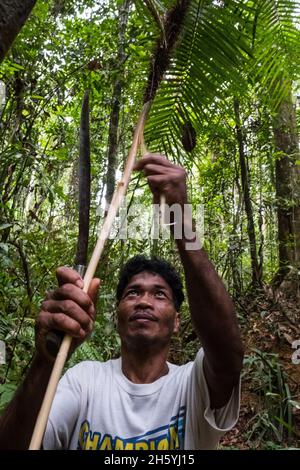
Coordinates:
[120,191]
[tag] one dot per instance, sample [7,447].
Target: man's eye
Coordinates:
[132,292]
[160,293]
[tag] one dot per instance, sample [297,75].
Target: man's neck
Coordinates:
[144,368]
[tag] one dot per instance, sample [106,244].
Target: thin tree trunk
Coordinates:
[256,276]
[13,14]
[115,112]
[261,222]
[287,189]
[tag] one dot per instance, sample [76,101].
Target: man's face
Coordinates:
[146,311]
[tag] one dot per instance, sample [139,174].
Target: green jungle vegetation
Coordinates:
[231,87]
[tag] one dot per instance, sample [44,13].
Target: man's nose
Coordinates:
[145,300]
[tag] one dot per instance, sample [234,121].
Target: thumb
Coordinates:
[93,289]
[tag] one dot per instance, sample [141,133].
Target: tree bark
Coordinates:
[256,274]
[13,14]
[287,189]
[115,112]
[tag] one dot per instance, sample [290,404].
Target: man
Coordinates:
[139,401]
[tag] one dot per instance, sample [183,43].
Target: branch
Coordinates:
[25,268]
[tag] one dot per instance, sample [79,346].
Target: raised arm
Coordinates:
[211,307]
[69,310]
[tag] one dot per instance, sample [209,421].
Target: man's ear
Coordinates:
[176,323]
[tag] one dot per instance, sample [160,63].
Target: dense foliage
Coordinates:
[233,78]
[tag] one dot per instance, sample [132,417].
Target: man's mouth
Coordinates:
[142,316]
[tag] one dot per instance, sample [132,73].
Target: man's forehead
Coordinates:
[148,277]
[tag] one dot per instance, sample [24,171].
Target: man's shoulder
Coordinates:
[88,368]
[180,369]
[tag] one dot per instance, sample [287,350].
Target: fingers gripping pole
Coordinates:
[62,355]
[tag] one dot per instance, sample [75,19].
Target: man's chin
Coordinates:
[143,340]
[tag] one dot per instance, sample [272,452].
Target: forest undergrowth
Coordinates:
[270,400]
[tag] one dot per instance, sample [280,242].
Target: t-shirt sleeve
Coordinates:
[64,411]
[204,426]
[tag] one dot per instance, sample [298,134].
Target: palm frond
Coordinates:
[207,60]
[224,46]
[276,47]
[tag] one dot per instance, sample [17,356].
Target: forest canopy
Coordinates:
[226,109]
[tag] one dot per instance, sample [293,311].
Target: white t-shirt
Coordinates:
[97,407]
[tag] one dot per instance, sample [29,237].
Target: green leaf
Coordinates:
[294,404]
[4,247]
[4,226]
[6,393]
[37,97]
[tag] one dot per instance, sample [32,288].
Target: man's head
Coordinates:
[139,264]
[149,295]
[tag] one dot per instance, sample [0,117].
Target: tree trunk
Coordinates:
[256,275]
[287,189]
[13,14]
[115,112]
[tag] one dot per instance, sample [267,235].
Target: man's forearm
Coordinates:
[17,422]
[211,308]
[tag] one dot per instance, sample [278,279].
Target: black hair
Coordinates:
[155,265]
